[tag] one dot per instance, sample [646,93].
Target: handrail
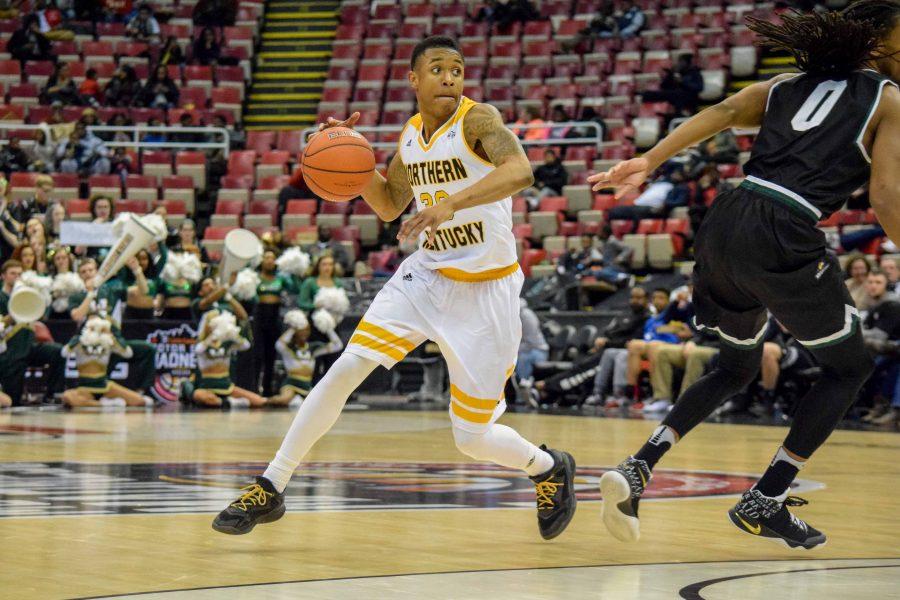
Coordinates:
[596,140]
[136,130]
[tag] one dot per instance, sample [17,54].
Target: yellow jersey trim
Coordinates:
[472,417]
[378,346]
[453,120]
[489,275]
[469,106]
[472,402]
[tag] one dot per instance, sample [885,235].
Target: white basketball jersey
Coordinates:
[477,244]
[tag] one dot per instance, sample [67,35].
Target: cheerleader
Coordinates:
[299,354]
[220,337]
[142,286]
[182,271]
[272,287]
[92,350]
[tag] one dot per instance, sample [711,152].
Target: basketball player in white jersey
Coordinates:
[461,165]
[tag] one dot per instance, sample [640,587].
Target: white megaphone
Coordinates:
[136,236]
[26,305]
[241,246]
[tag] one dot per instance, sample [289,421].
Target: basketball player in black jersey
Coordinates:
[824,133]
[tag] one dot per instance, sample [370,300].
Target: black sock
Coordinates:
[658,444]
[777,479]
[781,472]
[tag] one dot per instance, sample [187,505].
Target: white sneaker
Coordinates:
[148,401]
[113,402]
[296,401]
[237,402]
[660,405]
[593,400]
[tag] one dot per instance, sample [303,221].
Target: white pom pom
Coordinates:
[245,284]
[294,261]
[65,285]
[191,269]
[172,271]
[334,300]
[223,327]
[323,321]
[296,319]
[97,332]
[157,225]
[118,226]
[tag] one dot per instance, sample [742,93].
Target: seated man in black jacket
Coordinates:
[608,357]
[549,179]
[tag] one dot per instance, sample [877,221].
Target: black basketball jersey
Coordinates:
[809,151]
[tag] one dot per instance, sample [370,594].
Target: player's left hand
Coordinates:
[429,218]
[626,176]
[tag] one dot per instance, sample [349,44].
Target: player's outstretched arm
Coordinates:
[884,184]
[484,129]
[744,109]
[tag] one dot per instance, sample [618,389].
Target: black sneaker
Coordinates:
[769,518]
[621,489]
[555,494]
[260,503]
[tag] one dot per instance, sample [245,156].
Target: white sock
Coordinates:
[663,434]
[502,445]
[782,455]
[317,415]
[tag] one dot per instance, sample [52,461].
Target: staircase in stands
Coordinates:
[292,64]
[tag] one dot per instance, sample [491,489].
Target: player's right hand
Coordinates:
[332,122]
[626,176]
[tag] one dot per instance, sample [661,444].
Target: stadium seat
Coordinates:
[241,162]
[65,186]
[132,205]
[192,164]
[660,251]
[554,204]
[109,185]
[290,141]
[199,76]
[21,185]
[141,187]
[331,220]
[179,187]
[530,258]
[369,227]
[78,209]
[578,197]
[175,211]
[10,72]
[272,163]
[301,207]
[638,244]
[268,188]
[544,223]
[264,207]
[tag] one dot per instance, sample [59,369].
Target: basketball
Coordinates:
[338,164]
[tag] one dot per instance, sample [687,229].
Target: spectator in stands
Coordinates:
[588,114]
[120,163]
[187,238]
[549,179]
[69,161]
[9,227]
[857,271]
[51,21]
[36,237]
[187,120]
[692,357]
[890,269]
[89,151]
[603,25]
[578,261]
[90,88]
[215,13]
[36,205]
[13,158]
[123,88]
[533,348]
[61,87]
[323,275]
[101,207]
[42,152]
[53,218]
[154,137]
[144,27]
[160,90]
[296,188]
[616,255]
[26,255]
[171,54]
[680,87]
[504,13]
[652,201]
[28,43]
[530,115]
[206,48]
[62,261]
[332,248]
[559,115]
[881,331]
[630,21]
[877,291]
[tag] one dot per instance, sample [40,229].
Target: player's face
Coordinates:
[438,81]
[890,64]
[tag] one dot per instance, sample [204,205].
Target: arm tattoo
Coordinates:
[484,127]
[398,186]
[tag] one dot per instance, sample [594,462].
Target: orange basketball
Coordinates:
[338,164]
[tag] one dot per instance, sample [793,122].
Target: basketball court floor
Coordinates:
[104,505]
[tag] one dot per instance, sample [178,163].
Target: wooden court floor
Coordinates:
[110,504]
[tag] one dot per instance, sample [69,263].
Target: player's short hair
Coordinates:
[434,41]
[9,265]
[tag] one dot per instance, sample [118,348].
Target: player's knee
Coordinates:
[473,445]
[852,368]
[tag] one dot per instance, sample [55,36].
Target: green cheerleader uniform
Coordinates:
[214,365]
[300,362]
[93,363]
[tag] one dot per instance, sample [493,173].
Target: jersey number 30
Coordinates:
[429,200]
[818,105]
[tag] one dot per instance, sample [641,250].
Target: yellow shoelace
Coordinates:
[255,495]
[545,492]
